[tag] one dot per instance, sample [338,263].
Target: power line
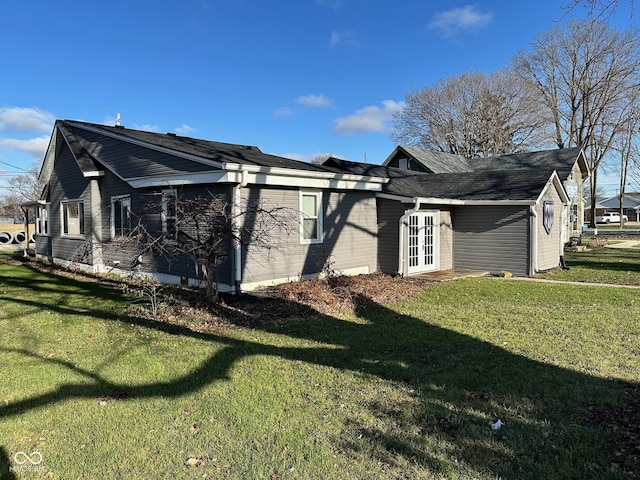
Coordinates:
[13,166]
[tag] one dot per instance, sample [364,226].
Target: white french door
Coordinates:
[422,242]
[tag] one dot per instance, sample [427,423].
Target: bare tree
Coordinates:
[25,186]
[587,77]
[627,146]
[474,115]
[598,8]
[319,159]
[10,207]
[208,229]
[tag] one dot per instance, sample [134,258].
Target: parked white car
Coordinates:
[610,217]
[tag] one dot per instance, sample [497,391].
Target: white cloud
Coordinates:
[468,18]
[314,100]
[368,119]
[146,127]
[343,39]
[25,119]
[284,111]
[34,146]
[185,129]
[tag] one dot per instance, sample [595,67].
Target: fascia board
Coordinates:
[555,181]
[291,172]
[451,201]
[49,157]
[219,176]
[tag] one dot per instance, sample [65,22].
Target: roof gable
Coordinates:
[515,185]
[560,160]
[432,161]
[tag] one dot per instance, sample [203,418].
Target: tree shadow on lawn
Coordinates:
[457,385]
[607,259]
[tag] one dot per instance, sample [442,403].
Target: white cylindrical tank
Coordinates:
[6,237]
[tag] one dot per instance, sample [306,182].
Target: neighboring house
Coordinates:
[96,176]
[570,164]
[428,216]
[630,207]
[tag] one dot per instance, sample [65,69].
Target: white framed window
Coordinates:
[120,216]
[42,219]
[72,218]
[169,213]
[311,216]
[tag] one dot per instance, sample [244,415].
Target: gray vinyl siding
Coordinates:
[491,238]
[67,183]
[389,214]
[349,225]
[548,244]
[576,178]
[146,207]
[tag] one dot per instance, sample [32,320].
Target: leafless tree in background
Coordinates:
[587,77]
[602,9]
[25,186]
[473,114]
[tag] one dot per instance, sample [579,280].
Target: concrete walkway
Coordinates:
[624,244]
[565,282]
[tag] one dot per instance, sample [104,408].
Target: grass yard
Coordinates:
[601,265]
[406,390]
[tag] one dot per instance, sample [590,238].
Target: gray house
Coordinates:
[360,218]
[485,220]
[570,165]
[96,177]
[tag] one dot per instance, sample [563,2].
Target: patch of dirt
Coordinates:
[277,304]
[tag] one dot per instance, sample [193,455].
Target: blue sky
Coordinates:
[297,78]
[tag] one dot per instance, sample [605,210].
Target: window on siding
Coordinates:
[169,214]
[73,217]
[42,219]
[311,222]
[120,217]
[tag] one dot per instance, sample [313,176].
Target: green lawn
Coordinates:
[402,391]
[601,265]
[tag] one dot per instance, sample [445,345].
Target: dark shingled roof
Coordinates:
[516,184]
[205,149]
[436,162]
[561,160]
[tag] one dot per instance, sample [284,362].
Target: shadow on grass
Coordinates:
[617,260]
[458,384]
[5,466]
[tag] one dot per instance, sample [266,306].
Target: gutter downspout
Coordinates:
[237,246]
[402,224]
[533,262]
